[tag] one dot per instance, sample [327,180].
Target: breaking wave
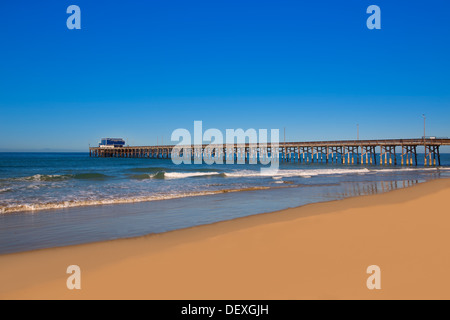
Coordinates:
[148,170]
[181,175]
[164,169]
[62,177]
[5,190]
[174,175]
[96,202]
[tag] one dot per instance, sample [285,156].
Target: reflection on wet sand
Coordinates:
[353,189]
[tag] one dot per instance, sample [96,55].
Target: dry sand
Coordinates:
[318,251]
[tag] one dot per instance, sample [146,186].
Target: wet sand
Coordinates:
[318,251]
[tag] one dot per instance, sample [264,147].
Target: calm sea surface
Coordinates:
[57,199]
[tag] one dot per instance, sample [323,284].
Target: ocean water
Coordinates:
[55,199]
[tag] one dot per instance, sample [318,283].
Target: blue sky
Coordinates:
[140,69]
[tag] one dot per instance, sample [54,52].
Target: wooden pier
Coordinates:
[371,152]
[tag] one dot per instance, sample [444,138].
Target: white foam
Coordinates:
[294,173]
[39,177]
[95,202]
[36,177]
[80,203]
[33,186]
[409,169]
[181,175]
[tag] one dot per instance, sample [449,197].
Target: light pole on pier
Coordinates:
[424,144]
[424,123]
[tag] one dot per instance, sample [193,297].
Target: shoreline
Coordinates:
[215,256]
[24,208]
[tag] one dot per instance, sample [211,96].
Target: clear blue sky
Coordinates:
[140,69]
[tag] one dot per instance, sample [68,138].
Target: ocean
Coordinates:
[58,199]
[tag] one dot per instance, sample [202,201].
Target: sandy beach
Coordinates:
[318,251]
